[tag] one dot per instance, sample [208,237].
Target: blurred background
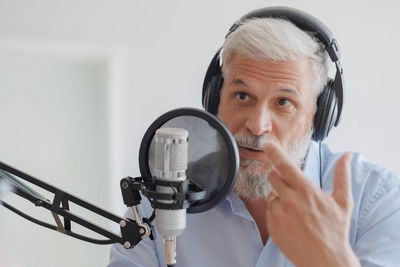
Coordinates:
[80,82]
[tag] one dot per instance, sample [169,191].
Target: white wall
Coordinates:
[53,113]
[157,53]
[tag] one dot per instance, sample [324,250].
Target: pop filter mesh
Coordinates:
[212,157]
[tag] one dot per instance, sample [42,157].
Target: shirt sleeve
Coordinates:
[378,236]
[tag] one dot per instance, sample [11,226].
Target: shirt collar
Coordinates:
[237,206]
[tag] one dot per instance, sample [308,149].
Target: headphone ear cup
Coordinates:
[326,113]
[213,94]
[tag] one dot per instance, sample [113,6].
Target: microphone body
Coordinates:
[171,160]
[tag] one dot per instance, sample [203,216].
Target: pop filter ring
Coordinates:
[215,123]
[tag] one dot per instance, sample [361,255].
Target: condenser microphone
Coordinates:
[182,178]
[171,161]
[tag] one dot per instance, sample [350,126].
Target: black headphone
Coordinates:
[330,101]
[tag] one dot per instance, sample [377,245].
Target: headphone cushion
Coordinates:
[323,116]
[214,92]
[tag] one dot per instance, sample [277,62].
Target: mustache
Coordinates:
[251,141]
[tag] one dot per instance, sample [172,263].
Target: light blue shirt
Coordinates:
[227,235]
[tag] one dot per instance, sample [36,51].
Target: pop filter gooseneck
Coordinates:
[213,158]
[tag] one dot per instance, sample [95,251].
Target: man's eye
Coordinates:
[283,102]
[242,96]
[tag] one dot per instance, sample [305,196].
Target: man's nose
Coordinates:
[259,121]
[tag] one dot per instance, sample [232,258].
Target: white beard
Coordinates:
[252,182]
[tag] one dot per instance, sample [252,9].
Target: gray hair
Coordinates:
[277,40]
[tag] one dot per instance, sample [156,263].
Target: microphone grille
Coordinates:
[171,152]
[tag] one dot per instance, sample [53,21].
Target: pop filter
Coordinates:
[213,158]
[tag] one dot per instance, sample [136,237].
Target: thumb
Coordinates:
[342,182]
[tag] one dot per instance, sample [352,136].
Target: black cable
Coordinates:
[55,228]
[153,215]
[29,218]
[170,265]
[91,240]
[320,166]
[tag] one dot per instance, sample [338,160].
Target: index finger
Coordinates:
[290,172]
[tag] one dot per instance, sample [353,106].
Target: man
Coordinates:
[292,205]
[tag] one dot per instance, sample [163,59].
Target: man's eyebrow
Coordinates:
[285,90]
[240,82]
[290,91]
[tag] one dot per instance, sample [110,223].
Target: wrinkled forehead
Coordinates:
[296,73]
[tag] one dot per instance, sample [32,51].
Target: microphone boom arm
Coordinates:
[132,231]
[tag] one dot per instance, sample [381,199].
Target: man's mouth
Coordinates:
[252,149]
[251,153]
